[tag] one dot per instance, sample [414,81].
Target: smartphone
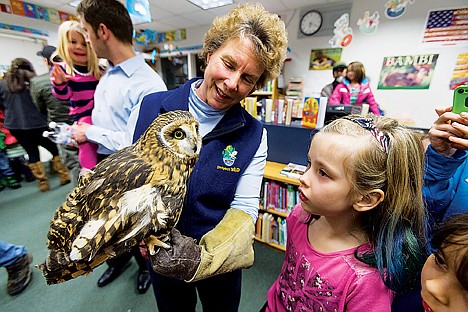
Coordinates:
[460,99]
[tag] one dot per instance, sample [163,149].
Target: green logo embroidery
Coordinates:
[229,155]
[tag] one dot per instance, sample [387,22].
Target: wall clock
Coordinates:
[310,22]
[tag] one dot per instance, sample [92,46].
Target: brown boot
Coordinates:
[19,275]
[58,166]
[38,171]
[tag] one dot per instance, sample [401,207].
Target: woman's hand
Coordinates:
[449,132]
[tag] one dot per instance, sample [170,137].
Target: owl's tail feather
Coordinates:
[55,272]
[93,236]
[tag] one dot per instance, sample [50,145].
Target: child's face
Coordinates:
[325,189]
[441,290]
[77,48]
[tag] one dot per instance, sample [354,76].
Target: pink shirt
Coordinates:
[314,281]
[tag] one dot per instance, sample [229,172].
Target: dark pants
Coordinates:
[120,261]
[31,140]
[220,293]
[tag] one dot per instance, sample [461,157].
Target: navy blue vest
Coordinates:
[226,152]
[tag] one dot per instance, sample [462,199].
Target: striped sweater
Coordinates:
[79,90]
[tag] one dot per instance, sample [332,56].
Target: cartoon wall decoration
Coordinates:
[139,11]
[343,34]
[407,72]
[369,23]
[396,8]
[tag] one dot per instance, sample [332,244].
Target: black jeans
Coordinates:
[220,293]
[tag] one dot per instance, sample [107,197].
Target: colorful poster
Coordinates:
[30,10]
[17,7]
[447,27]
[460,72]
[5,8]
[407,72]
[322,59]
[42,13]
[54,16]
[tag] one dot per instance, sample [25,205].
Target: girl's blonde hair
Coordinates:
[64,38]
[396,227]
[265,30]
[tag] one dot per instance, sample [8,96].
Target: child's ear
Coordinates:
[369,201]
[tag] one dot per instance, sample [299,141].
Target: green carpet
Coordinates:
[25,214]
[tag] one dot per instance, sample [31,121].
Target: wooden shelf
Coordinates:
[280,247]
[272,172]
[274,211]
[262,93]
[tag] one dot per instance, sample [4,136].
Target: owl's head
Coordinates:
[176,132]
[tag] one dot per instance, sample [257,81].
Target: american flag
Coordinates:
[447,26]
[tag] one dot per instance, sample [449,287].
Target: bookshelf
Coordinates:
[270,90]
[278,196]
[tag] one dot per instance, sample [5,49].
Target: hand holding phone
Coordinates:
[460,99]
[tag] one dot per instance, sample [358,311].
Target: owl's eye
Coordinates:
[179,134]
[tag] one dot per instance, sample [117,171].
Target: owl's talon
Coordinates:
[154,243]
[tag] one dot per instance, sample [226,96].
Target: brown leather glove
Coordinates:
[181,260]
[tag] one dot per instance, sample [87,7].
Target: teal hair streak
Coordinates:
[399,256]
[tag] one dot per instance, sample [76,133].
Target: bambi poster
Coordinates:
[407,72]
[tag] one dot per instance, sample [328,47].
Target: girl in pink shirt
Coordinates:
[357,236]
[75,80]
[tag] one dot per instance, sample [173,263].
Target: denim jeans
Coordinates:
[10,253]
[5,169]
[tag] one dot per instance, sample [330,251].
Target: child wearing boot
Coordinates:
[16,260]
[26,123]
[7,175]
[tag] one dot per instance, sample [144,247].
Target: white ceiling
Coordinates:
[175,14]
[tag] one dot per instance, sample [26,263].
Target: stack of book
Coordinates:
[295,97]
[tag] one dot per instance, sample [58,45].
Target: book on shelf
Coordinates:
[250,105]
[313,113]
[293,170]
[271,229]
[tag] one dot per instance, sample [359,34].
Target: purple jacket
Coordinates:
[342,95]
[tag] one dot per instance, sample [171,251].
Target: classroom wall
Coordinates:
[400,36]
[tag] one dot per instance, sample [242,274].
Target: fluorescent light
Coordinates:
[74,3]
[210,4]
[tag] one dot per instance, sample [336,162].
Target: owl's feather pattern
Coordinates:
[132,194]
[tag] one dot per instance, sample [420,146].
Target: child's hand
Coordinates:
[58,76]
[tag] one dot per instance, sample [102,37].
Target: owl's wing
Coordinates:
[128,224]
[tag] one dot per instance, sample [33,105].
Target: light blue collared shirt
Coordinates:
[117,103]
[247,193]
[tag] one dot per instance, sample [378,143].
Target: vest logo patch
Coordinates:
[229,155]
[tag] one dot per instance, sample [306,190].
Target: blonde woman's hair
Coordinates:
[397,226]
[265,30]
[64,38]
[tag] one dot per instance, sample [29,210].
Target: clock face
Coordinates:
[311,23]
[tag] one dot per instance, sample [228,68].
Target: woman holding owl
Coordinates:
[242,51]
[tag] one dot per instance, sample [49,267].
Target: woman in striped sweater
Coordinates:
[75,79]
